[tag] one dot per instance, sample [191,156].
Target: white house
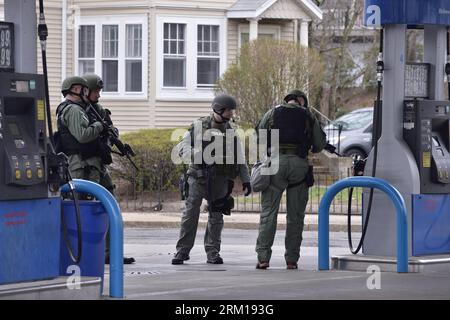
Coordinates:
[160,59]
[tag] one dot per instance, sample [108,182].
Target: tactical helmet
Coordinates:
[295,94]
[94,81]
[71,81]
[224,101]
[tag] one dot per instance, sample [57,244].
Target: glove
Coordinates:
[105,128]
[247,187]
[330,148]
[113,130]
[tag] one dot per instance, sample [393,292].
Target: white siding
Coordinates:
[233,40]
[179,114]
[285,9]
[131,115]
[181,4]
[287,31]
[198,4]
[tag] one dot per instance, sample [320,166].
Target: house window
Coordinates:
[191,55]
[86,49]
[133,58]
[174,55]
[208,60]
[115,48]
[110,55]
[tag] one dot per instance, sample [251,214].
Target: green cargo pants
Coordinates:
[292,169]
[104,179]
[191,215]
[88,173]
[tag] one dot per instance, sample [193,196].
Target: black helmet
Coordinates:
[295,94]
[223,101]
[94,81]
[71,81]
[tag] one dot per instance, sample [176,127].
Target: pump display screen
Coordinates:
[20,86]
[6,46]
[416,80]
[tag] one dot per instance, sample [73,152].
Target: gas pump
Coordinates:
[31,175]
[414,145]
[30,203]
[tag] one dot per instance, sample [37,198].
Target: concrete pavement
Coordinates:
[153,276]
[237,220]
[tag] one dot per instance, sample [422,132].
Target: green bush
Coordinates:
[153,148]
[265,71]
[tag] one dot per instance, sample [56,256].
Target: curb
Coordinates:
[233,225]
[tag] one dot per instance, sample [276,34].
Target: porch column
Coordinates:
[253,34]
[304,31]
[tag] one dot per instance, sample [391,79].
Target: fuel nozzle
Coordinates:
[380,67]
[380,60]
[42,27]
[358,165]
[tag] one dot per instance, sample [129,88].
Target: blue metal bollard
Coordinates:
[115,229]
[367,182]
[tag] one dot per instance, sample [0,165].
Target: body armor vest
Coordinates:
[291,123]
[66,142]
[226,165]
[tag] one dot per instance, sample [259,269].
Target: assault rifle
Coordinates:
[125,150]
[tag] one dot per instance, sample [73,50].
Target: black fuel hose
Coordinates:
[75,258]
[43,33]
[375,136]
[447,65]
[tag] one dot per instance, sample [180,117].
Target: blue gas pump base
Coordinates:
[361,262]
[61,288]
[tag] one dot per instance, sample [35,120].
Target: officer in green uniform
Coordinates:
[212,182]
[79,134]
[95,85]
[299,132]
[82,138]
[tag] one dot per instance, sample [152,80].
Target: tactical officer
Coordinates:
[78,134]
[299,132]
[82,137]
[95,85]
[214,182]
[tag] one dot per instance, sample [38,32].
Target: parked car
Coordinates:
[355,138]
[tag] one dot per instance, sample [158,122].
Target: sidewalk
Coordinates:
[236,220]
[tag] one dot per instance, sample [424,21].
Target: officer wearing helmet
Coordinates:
[299,133]
[78,134]
[95,85]
[211,177]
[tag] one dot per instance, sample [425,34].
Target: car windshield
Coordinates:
[353,120]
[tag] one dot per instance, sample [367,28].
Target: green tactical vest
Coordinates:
[228,166]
